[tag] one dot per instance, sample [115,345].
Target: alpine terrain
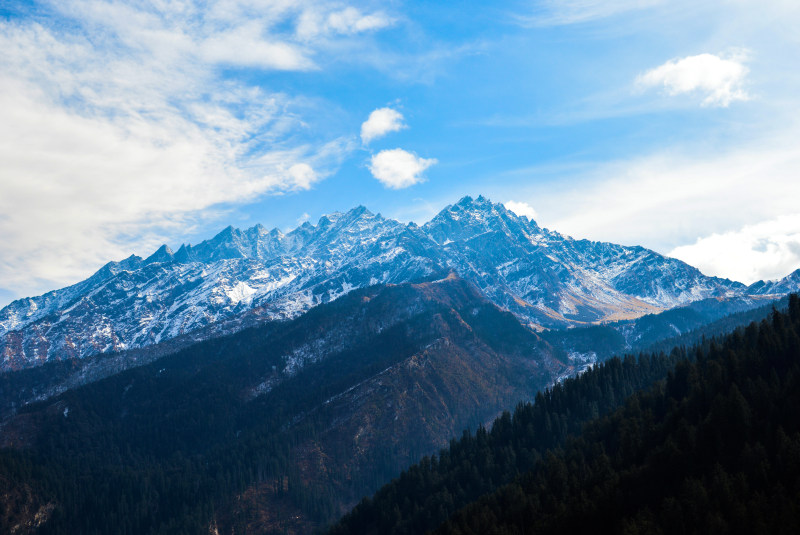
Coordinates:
[243,277]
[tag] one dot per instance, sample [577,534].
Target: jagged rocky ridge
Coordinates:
[546,279]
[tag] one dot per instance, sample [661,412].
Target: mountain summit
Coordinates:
[546,279]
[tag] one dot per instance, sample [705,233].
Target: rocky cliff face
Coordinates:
[240,277]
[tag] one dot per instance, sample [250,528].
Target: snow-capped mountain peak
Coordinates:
[163,254]
[472,217]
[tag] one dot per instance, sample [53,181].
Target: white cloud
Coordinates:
[719,80]
[351,20]
[763,251]
[302,175]
[381,122]
[246,46]
[398,169]
[347,21]
[521,209]
[116,143]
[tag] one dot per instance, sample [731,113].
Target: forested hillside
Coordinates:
[428,492]
[715,448]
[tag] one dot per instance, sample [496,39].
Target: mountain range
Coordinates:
[243,277]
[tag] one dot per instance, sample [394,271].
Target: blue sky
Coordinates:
[124,124]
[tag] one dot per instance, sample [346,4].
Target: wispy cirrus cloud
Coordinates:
[564,12]
[121,124]
[348,21]
[719,80]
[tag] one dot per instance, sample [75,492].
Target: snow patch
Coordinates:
[241,293]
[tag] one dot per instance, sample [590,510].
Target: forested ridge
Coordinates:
[714,448]
[161,456]
[158,448]
[218,435]
[425,495]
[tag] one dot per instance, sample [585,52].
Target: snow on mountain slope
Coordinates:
[522,266]
[788,284]
[545,278]
[139,302]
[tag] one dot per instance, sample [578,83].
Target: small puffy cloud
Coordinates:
[720,80]
[398,169]
[766,250]
[302,175]
[521,209]
[381,122]
[303,218]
